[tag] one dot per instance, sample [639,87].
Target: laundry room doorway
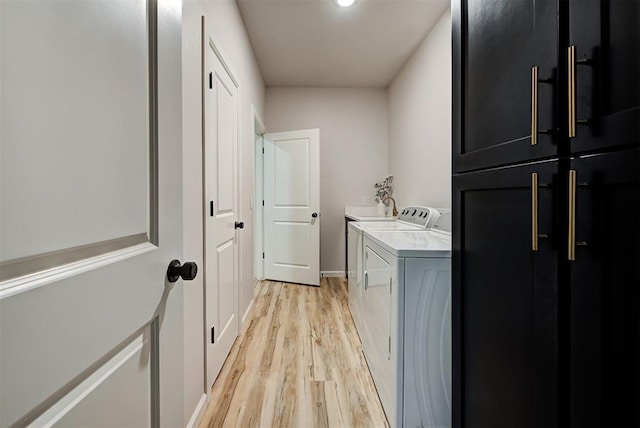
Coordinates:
[290,206]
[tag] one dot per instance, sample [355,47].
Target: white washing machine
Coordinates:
[412,218]
[406,324]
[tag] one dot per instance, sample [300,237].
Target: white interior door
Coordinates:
[221,208]
[90,213]
[292,206]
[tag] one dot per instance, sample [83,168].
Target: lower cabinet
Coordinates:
[546,299]
[505,297]
[603,292]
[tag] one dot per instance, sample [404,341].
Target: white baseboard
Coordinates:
[246,314]
[332,273]
[198,412]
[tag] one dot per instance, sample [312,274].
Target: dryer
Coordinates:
[411,218]
[406,324]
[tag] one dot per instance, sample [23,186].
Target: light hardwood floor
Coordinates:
[299,363]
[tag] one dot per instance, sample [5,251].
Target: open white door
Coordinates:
[221,207]
[292,206]
[90,213]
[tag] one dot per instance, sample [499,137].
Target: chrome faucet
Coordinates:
[395,210]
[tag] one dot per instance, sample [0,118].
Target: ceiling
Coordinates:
[316,43]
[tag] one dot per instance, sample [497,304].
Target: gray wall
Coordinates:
[420,122]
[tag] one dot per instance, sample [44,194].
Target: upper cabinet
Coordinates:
[536,79]
[505,56]
[603,73]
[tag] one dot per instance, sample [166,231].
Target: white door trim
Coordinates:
[215,45]
[29,282]
[66,404]
[258,128]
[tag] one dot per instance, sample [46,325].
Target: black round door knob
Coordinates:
[187,271]
[314,215]
[239,225]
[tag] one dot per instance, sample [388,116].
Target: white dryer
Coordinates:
[412,218]
[406,324]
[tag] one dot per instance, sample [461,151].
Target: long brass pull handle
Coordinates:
[571,80]
[534,211]
[572,215]
[534,105]
[573,62]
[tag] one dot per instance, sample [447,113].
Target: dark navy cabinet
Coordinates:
[502,52]
[505,299]
[605,36]
[546,213]
[604,282]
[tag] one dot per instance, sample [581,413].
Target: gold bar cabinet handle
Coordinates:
[534,211]
[572,215]
[534,105]
[571,80]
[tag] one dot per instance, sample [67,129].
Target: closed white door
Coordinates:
[221,208]
[90,213]
[292,206]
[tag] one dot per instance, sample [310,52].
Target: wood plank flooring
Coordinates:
[299,363]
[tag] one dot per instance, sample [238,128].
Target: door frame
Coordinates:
[210,41]
[258,129]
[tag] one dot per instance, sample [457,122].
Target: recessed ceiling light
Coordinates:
[345,3]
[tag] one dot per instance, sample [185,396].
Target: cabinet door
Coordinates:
[606,36]
[605,303]
[495,45]
[505,298]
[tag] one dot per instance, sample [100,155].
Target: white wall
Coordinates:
[353,150]
[224,22]
[420,122]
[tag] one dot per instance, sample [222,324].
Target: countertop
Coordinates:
[366,213]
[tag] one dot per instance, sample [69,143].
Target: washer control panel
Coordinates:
[420,216]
